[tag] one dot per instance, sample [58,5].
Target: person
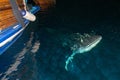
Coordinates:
[26,14]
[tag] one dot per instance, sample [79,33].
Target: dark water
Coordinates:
[38,54]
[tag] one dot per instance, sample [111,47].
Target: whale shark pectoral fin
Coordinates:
[69,59]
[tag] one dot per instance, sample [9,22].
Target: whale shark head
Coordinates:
[87,42]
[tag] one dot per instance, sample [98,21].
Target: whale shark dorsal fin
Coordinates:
[86,35]
[81,40]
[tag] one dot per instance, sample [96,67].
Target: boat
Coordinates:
[15,15]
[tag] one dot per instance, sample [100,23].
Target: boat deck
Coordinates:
[6,19]
[6,15]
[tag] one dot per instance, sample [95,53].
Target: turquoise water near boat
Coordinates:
[38,55]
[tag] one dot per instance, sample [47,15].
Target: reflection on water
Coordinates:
[19,57]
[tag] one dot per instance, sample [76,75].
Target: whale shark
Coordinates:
[80,43]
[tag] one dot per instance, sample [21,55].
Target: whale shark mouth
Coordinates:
[90,45]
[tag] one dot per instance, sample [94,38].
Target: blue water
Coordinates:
[38,54]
